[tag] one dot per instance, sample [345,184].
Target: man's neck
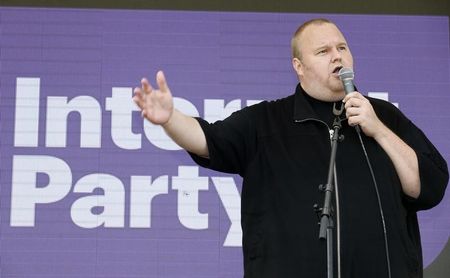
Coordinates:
[324,96]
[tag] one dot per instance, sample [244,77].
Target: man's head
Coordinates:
[319,50]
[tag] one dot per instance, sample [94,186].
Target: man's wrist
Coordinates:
[382,133]
[169,121]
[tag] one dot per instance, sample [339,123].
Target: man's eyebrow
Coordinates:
[327,45]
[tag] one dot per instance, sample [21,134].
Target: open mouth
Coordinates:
[337,69]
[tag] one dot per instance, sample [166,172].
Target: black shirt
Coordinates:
[323,110]
[281,149]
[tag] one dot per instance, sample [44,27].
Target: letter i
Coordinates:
[27,112]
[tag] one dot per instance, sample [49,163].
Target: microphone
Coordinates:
[346,75]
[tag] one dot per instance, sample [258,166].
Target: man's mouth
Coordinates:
[337,69]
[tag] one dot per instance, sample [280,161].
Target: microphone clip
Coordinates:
[338,111]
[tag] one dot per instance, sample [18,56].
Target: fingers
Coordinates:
[352,95]
[161,81]
[138,98]
[353,111]
[359,111]
[151,101]
[354,120]
[355,116]
[145,85]
[146,88]
[140,93]
[355,107]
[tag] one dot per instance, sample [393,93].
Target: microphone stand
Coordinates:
[326,212]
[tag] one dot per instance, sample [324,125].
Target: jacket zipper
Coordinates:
[331,131]
[338,224]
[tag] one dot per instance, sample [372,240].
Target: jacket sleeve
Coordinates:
[231,142]
[433,171]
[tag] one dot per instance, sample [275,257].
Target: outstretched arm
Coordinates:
[157,107]
[360,112]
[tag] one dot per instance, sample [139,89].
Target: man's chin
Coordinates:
[337,95]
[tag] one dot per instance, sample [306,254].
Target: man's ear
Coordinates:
[298,66]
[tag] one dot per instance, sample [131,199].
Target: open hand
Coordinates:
[156,104]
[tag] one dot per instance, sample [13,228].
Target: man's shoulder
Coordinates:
[271,104]
[388,113]
[267,110]
[383,105]
[279,103]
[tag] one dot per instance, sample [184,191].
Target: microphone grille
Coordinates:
[346,74]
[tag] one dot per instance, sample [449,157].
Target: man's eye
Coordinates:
[322,52]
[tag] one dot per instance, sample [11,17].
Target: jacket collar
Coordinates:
[302,108]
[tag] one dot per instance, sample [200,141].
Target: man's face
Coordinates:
[323,51]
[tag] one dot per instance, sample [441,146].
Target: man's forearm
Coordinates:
[187,133]
[404,159]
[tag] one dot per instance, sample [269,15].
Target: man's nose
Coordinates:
[336,55]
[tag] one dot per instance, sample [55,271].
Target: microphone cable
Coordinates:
[383,222]
[346,75]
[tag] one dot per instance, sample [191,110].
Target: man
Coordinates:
[281,149]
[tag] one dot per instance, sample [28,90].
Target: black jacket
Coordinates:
[281,149]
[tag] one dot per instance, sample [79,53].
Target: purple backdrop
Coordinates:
[80,213]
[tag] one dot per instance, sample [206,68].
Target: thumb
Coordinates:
[161,80]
